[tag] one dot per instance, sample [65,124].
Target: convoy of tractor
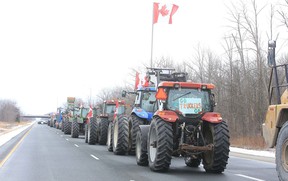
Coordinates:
[171,116]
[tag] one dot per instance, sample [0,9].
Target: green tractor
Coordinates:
[78,121]
[75,119]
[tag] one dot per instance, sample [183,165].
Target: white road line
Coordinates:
[61,135]
[94,157]
[251,178]
[67,139]
[76,145]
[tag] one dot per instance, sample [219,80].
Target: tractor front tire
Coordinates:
[141,145]
[102,131]
[120,135]
[160,145]
[282,153]
[215,161]
[75,129]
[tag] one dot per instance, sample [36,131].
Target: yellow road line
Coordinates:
[14,149]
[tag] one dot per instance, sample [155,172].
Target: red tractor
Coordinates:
[99,127]
[185,125]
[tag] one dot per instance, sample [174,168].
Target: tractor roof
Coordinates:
[113,101]
[186,85]
[146,89]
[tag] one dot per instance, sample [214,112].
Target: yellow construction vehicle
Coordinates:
[275,127]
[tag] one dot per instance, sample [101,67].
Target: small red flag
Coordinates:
[137,81]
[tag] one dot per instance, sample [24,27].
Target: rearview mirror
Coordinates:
[124,93]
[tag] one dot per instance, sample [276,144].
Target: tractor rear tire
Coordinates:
[160,145]
[141,145]
[62,125]
[92,132]
[110,137]
[282,153]
[215,161]
[120,135]
[67,127]
[75,129]
[102,131]
[134,123]
[192,162]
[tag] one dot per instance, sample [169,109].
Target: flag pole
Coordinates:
[151,59]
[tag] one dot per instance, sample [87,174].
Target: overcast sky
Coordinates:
[53,49]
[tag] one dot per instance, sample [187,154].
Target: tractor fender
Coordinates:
[141,113]
[212,117]
[169,116]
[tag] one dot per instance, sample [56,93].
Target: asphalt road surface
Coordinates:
[44,153]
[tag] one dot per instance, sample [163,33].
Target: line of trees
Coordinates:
[9,111]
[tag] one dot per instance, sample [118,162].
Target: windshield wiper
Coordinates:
[182,95]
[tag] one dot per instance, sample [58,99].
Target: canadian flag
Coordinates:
[90,113]
[164,11]
[141,81]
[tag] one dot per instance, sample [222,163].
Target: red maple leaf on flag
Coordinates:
[164,11]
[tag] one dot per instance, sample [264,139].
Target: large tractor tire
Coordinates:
[215,161]
[110,137]
[67,127]
[141,145]
[192,162]
[160,145]
[75,129]
[134,123]
[282,153]
[120,135]
[92,132]
[62,125]
[102,131]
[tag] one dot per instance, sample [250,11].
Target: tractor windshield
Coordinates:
[189,101]
[148,101]
[110,108]
[121,109]
[85,112]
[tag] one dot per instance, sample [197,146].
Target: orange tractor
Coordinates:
[184,124]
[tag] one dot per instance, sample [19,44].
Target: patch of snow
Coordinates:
[262,153]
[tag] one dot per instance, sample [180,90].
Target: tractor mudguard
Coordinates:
[169,116]
[212,117]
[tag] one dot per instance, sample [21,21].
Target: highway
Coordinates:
[46,154]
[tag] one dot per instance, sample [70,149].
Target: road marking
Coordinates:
[67,139]
[76,145]
[61,135]
[94,157]
[251,178]
[14,148]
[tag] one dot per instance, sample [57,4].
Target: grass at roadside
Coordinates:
[257,143]
[9,126]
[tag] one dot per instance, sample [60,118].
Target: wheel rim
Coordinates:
[109,135]
[138,147]
[115,136]
[88,132]
[284,158]
[152,147]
